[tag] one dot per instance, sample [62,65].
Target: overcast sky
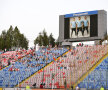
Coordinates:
[32,16]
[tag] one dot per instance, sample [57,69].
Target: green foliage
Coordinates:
[44,39]
[51,40]
[57,42]
[3,39]
[40,39]
[12,38]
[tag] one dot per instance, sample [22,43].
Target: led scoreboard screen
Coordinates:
[80,25]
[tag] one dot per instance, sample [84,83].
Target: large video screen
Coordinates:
[79,27]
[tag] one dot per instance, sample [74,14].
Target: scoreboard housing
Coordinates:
[97,22]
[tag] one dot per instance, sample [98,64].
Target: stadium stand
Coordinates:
[28,65]
[10,57]
[97,78]
[71,68]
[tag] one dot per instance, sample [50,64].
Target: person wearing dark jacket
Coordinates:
[34,85]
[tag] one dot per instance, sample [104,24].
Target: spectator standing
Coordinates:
[102,88]
[71,87]
[41,85]
[27,87]
[34,85]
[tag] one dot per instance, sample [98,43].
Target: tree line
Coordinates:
[12,38]
[44,40]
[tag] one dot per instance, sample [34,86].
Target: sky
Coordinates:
[33,16]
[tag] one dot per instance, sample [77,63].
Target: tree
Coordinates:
[57,41]
[9,38]
[12,38]
[23,42]
[39,40]
[36,41]
[16,35]
[19,39]
[51,40]
[45,38]
[3,42]
[42,39]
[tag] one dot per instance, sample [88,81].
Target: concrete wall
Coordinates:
[61,28]
[102,23]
